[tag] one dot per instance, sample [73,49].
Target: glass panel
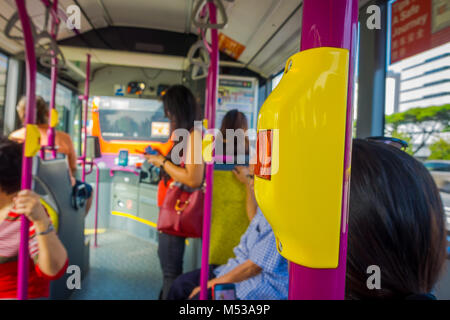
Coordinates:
[417,105]
[63,100]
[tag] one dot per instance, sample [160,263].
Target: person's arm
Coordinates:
[71,156]
[242,272]
[17,136]
[243,175]
[192,173]
[52,254]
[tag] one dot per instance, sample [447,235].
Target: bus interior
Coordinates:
[127,54]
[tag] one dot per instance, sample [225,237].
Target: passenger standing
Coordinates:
[181,109]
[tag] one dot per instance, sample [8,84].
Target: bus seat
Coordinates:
[229,218]
[52,181]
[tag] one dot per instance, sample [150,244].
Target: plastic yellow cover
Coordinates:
[302,200]
[32,140]
[207,147]
[52,213]
[54,118]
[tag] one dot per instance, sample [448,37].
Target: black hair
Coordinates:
[180,107]
[235,119]
[10,165]
[396,222]
[182,110]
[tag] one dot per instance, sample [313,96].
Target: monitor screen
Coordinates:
[160,129]
[132,119]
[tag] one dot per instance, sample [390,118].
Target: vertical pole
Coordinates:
[30,62]
[329,23]
[85,120]
[211,116]
[97,185]
[54,79]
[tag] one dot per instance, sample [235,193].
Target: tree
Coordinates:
[419,124]
[404,137]
[440,150]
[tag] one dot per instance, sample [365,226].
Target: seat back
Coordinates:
[229,218]
[52,182]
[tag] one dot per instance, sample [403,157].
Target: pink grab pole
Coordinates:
[85,99]
[97,185]
[54,79]
[210,112]
[27,163]
[329,23]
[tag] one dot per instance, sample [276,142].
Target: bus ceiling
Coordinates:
[158,33]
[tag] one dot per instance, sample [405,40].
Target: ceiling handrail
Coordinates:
[47,51]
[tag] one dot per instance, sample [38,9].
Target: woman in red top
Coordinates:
[48,257]
[184,167]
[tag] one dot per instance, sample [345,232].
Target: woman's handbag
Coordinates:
[181,213]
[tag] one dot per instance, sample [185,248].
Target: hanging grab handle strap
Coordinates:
[10,25]
[200,63]
[198,21]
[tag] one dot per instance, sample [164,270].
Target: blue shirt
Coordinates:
[258,245]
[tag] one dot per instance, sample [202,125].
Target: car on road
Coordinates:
[440,170]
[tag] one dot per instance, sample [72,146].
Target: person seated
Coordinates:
[47,256]
[63,142]
[258,270]
[233,120]
[396,223]
[228,206]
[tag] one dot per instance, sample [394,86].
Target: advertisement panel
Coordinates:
[417,26]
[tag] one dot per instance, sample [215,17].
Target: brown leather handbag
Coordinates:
[181,213]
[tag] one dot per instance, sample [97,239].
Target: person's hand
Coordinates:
[73,181]
[156,160]
[242,174]
[194,292]
[197,289]
[28,203]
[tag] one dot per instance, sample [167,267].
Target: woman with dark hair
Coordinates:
[235,120]
[181,109]
[396,222]
[47,255]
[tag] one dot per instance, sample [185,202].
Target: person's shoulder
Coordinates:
[196,131]
[64,136]
[262,221]
[17,135]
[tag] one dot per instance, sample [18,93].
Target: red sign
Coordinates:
[417,26]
